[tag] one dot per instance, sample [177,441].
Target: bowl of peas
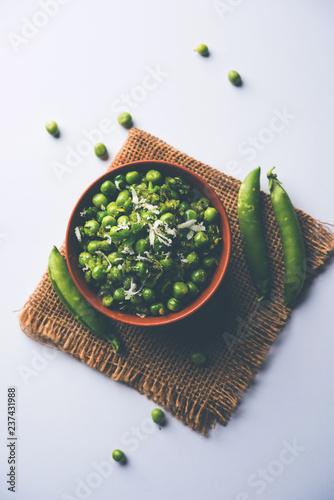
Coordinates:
[148,243]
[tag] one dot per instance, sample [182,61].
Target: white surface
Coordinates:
[72,70]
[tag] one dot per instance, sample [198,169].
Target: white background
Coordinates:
[73,70]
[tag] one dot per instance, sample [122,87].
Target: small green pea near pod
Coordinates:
[202,49]
[125,119]
[52,127]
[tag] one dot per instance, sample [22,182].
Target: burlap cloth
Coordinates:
[234,330]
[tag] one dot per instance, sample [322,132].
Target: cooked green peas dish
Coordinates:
[150,243]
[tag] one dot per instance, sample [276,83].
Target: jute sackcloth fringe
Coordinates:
[234,329]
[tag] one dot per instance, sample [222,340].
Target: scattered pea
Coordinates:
[202,49]
[125,119]
[118,455]
[100,150]
[235,78]
[52,127]
[158,416]
[198,358]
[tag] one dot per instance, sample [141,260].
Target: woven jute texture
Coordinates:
[234,329]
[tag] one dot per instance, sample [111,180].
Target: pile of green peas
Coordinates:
[149,243]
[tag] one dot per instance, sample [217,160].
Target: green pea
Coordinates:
[148,294]
[167,263]
[199,277]
[108,188]
[201,239]
[122,197]
[234,78]
[100,150]
[141,269]
[193,290]
[202,49]
[133,177]
[115,274]
[118,456]
[123,219]
[120,182]
[108,222]
[119,295]
[84,258]
[180,290]
[198,358]
[107,301]
[191,214]
[158,309]
[192,259]
[174,304]
[114,258]
[125,119]
[98,272]
[168,217]
[112,209]
[128,205]
[91,227]
[158,416]
[154,176]
[93,246]
[141,246]
[210,215]
[136,300]
[52,127]
[100,200]
[209,262]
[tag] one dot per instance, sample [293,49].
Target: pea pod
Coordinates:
[292,238]
[74,302]
[251,231]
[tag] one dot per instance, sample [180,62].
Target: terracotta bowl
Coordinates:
[73,248]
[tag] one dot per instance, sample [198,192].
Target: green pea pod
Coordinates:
[251,231]
[292,238]
[74,302]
